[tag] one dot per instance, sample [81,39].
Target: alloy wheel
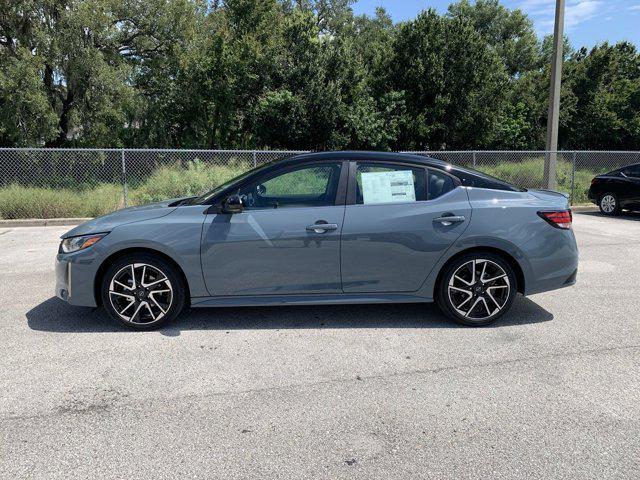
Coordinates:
[608,203]
[479,289]
[140,293]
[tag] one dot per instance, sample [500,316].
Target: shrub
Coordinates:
[176,181]
[31,202]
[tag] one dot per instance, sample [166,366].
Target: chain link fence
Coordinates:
[49,183]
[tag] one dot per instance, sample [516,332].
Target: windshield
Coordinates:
[207,196]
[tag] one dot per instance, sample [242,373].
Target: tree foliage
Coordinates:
[303,74]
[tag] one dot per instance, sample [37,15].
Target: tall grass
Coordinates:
[30,202]
[172,181]
[166,182]
[530,172]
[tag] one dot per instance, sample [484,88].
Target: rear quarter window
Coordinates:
[439,184]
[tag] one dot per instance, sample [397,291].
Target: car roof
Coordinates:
[369,155]
[467,176]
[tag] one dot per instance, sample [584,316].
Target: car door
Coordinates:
[287,238]
[399,220]
[631,194]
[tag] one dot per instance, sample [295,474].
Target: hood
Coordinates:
[557,199]
[108,222]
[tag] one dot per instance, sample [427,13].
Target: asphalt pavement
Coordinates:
[396,391]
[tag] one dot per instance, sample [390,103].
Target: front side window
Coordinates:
[307,186]
[381,183]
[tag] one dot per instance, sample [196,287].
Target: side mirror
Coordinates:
[233,204]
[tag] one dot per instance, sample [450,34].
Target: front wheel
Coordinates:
[609,204]
[142,291]
[477,289]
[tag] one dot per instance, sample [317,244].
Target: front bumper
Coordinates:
[75,280]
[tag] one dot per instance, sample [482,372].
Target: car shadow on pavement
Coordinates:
[54,315]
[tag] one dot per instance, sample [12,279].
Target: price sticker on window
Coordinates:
[388,187]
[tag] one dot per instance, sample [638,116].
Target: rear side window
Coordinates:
[381,183]
[439,184]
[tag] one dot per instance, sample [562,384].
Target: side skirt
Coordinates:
[317,299]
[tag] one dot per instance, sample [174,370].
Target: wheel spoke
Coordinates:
[464,302]
[463,280]
[472,307]
[155,282]
[127,287]
[150,311]
[133,278]
[135,314]
[133,302]
[495,278]
[484,301]
[493,299]
[152,298]
[473,272]
[461,290]
[128,297]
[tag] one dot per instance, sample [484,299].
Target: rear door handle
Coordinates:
[449,220]
[322,227]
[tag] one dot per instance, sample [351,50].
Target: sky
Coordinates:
[587,22]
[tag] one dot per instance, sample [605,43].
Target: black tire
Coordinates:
[167,306]
[605,205]
[490,291]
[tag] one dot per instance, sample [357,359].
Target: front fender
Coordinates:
[177,235]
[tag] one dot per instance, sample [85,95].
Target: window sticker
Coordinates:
[388,187]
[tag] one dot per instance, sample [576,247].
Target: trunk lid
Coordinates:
[557,199]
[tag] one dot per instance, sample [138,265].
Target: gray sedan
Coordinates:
[326,228]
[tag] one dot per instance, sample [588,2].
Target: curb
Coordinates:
[584,208]
[42,222]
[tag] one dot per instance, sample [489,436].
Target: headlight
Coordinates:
[74,244]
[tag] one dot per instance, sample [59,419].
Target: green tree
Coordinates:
[510,32]
[606,85]
[452,82]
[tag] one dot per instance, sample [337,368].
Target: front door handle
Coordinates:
[322,227]
[449,220]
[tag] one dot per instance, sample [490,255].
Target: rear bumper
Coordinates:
[554,264]
[75,280]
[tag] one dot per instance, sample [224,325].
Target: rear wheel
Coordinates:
[477,289]
[142,291]
[609,204]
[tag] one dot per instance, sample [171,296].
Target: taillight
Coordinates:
[558,219]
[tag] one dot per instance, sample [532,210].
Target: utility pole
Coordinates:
[551,159]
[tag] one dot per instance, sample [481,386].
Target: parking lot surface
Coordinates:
[397,391]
